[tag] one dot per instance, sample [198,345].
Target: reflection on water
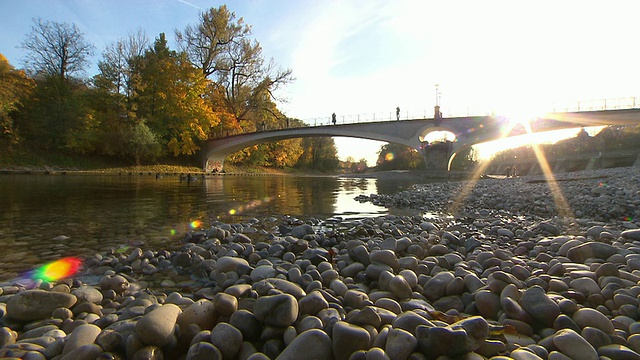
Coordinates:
[46,217]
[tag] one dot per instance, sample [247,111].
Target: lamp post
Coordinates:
[437,114]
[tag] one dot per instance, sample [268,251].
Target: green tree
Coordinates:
[172,97]
[15,86]
[399,157]
[59,115]
[142,142]
[320,153]
[115,96]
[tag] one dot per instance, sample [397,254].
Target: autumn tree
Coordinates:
[172,97]
[15,86]
[221,47]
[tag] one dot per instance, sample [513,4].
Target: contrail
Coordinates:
[190,4]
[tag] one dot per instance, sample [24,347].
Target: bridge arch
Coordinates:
[218,149]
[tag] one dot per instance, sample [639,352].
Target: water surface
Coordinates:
[47,217]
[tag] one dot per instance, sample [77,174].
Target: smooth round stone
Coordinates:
[386,257]
[536,302]
[225,305]
[312,303]
[84,334]
[618,352]
[633,234]
[521,354]
[595,337]
[585,286]
[565,322]
[410,276]
[389,304]
[203,350]
[247,323]
[556,355]
[157,326]
[31,305]
[7,336]
[87,351]
[437,341]
[262,272]
[88,294]
[276,310]
[593,249]
[355,298]
[436,287]
[227,339]
[573,345]
[201,313]
[400,287]
[339,287]
[366,316]
[591,317]
[117,283]
[313,343]
[400,344]
[633,341]
[347,339]
[488,303]
[309,322]
[352,269]
[409,321]
[228,263]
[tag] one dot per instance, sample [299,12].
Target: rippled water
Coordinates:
[47,217]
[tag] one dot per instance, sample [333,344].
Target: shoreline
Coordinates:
[509,273]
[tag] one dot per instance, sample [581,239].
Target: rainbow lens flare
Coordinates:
[196,224]
[58,269]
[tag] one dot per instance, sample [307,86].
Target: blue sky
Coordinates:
[357,57]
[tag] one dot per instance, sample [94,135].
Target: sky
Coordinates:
[362,59]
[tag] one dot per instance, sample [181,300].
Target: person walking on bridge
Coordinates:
[333,118]
[398,113]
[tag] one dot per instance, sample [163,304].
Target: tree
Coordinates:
[320,153]
[54,48]
[221,48]
[115,90]
[172,97]
[15,86]
[142,142]
[399,157]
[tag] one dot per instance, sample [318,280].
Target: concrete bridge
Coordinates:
[468,131]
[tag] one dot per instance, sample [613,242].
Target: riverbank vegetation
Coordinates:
[148,104]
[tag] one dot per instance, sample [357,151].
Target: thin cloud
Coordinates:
[192,5]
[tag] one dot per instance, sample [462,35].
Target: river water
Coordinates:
[44,217]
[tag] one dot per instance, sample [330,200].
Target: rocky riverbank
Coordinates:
[510,274]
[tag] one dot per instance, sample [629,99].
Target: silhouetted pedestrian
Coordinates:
[333,118]
[264,125]
[398,113]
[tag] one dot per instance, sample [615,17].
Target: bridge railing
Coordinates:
[448,112]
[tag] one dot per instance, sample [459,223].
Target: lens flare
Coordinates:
[389,156]
[58,269]
[173,232]
[196,224]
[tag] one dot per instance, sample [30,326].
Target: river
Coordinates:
[45,217]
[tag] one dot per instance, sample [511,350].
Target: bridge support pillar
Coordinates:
[213,164]
[436,155]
